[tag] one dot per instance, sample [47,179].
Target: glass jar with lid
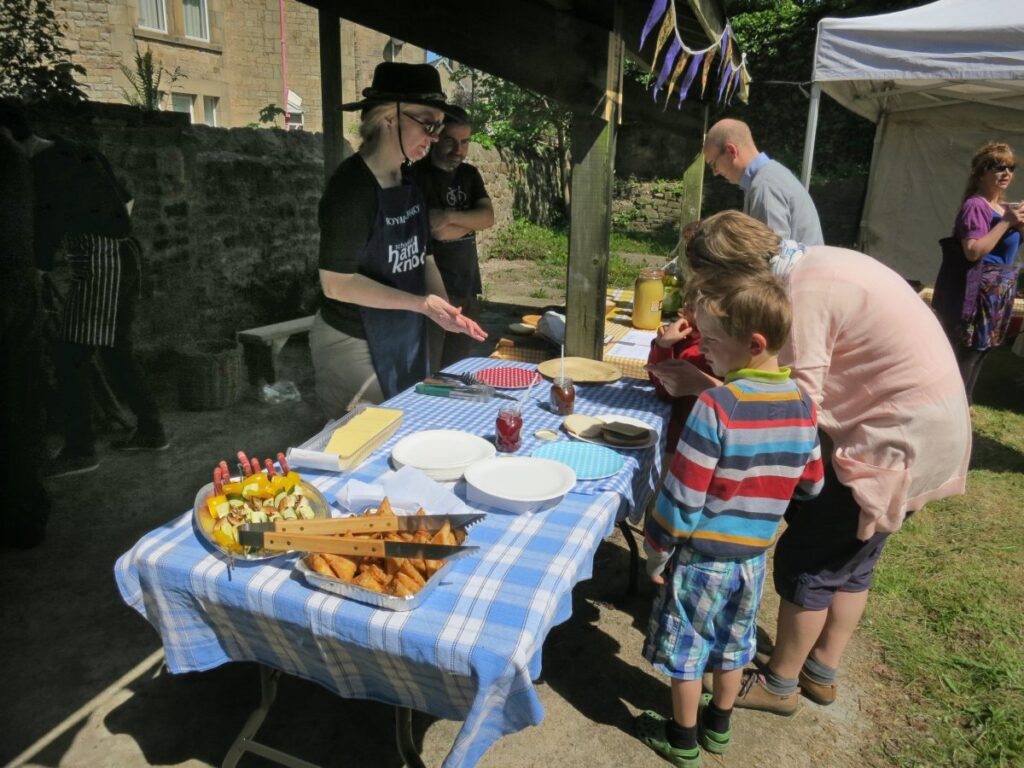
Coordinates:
[648,294]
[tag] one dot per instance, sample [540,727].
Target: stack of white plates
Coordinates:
[441,454]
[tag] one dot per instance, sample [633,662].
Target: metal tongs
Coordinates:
[321,535]
[460,386]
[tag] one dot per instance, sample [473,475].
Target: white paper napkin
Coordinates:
[408,489]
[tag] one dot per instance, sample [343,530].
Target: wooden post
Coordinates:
[593,175]
[330,87]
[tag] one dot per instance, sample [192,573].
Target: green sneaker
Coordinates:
[713,741]
[650,727]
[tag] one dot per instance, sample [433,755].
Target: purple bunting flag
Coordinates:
[691,73]
[657,11]
[723,46]
[726,78]
[666,67]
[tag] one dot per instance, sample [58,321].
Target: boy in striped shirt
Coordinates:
[748,447]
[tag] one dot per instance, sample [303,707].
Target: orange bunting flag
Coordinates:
[668,28]
[704,72]
[680,66]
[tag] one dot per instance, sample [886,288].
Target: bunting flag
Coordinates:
[732,78]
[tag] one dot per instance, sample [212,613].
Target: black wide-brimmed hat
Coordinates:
[407,83]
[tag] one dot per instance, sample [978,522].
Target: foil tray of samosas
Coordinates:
[397,584]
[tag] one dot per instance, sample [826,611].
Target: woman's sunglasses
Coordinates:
[431,128]
[1002,168]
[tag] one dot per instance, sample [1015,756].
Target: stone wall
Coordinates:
[226,218]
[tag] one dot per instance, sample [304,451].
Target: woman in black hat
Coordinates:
[378,281]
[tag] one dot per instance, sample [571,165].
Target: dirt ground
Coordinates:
[86,687]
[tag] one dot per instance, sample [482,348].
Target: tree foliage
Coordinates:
[778,37]
[508,116]
[36,64]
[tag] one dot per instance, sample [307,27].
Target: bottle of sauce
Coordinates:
[648,294]
[563,396]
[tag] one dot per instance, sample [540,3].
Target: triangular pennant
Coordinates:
[704,72]
[668,29]
[724,81]
[666,67]
[725,45]
[657,11]
[690,74]
[734,85]
[680,66]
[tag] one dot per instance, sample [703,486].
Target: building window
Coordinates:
[210,111]
[294,120]
[152,15]
[195,19]
[183,102]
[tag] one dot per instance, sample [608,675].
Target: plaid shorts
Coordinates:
[706,614]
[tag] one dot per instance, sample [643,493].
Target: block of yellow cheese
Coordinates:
[363,433]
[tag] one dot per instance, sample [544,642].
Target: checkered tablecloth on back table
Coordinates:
[469,652]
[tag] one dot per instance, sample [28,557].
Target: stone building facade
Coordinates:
[229,52]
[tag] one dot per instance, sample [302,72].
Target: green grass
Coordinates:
[549,248]
[949,597]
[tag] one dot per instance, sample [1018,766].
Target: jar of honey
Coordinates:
[563,396]
[648,294]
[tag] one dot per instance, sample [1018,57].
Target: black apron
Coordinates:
[396,256]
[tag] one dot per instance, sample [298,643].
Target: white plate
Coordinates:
[441,454]
[518,483]
[610,417]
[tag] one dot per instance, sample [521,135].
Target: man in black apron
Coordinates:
[79,206]
[378,280]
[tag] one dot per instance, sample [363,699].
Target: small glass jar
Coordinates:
[563,396]
[648,294]
[508,427]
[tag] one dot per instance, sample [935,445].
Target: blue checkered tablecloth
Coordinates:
[470,652]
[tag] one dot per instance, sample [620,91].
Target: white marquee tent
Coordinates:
[939,81]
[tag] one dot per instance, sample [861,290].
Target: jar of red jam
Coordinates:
[563,396]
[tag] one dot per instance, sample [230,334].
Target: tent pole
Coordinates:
[811,135]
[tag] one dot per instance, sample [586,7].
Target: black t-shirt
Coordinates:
[348,215]
[348,209]
[76,192]
[458,190]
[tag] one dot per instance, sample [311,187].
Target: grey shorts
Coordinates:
[819,553]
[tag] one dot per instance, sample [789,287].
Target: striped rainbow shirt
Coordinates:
[748,447]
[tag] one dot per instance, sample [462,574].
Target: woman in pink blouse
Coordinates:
[895,427]
[974,295]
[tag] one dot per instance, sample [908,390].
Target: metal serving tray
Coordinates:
[377,599]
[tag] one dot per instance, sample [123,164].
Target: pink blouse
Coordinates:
[873,357]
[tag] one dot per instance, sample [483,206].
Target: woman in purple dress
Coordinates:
[974,298]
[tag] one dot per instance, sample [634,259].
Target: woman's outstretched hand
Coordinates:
[451,318]
[681,378]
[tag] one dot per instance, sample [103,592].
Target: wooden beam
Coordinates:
[533,44]
[330,88]
[593,174]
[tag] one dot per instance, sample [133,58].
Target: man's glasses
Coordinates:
[430,127]
[1002,168]
[713,163]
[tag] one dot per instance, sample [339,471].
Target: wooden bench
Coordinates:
[262,346]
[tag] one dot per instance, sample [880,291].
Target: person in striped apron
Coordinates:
[80,207]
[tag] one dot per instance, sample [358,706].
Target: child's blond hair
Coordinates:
[745,304]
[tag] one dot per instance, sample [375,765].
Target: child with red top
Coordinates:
[678,340]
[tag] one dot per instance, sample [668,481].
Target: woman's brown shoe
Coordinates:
[819,693]
[754,695]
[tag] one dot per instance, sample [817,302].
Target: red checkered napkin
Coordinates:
[507,377]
